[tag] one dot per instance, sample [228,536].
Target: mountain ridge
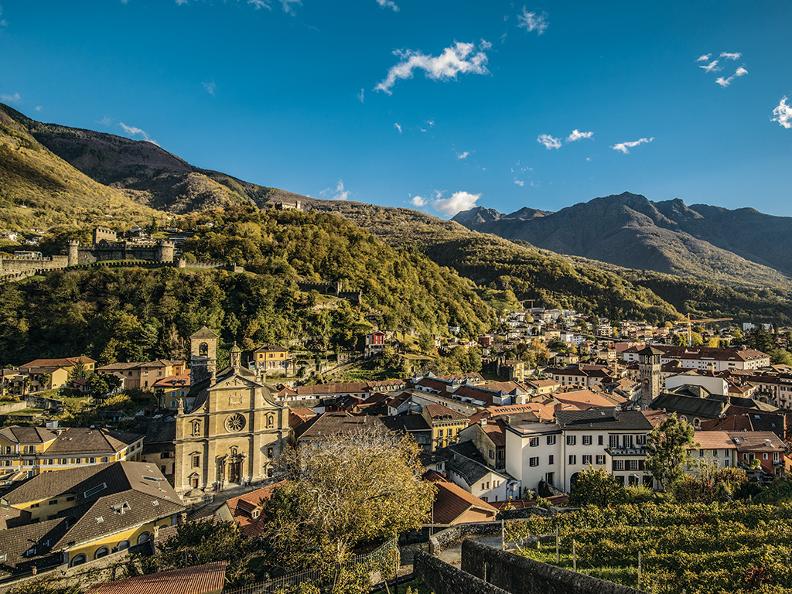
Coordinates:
[668,236]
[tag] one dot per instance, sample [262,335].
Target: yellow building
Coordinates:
[90,512]
[51,374]
[232,432]
[29,451]
[272,359]
[143,375]
[446,424]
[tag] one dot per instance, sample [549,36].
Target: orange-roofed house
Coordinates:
[51,374]
[582,400]
[714,447]
[453,505]
[198,579]
[246,509]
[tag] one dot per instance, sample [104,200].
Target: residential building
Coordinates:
[445,423]
[466,469]
[28,451]
[374,344]
[579,376]
[172,389]
[245,510]
[705,358]
[51,374]
[454,505]
[762,446]
[271,359]
[143,375]
[713,447]
[554,453]
[89,512]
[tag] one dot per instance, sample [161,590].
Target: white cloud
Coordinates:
[704,58]
[3,22]
[576,135]
[361,96]
[11,97]
[135,131]
[782,113]
[398,127]
[418,201]
[389,4]
[710,67]
[337,193]
[549,142]
[457,202]
[105,121]
[461,58]
[181,2]
[532,21]
[38,107]
[624,147]
[463,155]
[290,6]
[519,182]
[725,82]
[731,55]
[209,86]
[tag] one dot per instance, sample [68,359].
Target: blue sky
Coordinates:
[298,94]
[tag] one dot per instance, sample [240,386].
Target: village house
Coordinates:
[87,513]
[466,468]
[373,344]
[51,374]
[454,505]
[445,424]
[272,360]
[143,375]
[28,451]
[554,453]
[172,389]
[245,510]
[580,376]
[196,579]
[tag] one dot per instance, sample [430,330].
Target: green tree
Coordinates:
[344,491]
[709,483]
[667,450]
[596,486]
[781,356]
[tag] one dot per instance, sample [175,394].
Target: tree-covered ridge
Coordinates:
[529,272]
[140,313]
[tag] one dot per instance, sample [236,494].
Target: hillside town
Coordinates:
[193,439]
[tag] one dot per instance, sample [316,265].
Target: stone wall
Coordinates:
[442,578]
[520,575]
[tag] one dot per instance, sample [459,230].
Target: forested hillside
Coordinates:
[136,313]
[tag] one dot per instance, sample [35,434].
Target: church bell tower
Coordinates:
[649,370]
[203,355]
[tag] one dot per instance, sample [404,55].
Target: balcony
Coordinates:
[620,451]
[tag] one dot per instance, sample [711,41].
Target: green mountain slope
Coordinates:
[40,190]
[136,313]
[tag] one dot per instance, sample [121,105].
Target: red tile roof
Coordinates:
[452,501]
[199,579]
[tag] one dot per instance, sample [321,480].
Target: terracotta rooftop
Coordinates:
[198,579]
[451,501]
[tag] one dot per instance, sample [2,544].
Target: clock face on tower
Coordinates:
[235,423]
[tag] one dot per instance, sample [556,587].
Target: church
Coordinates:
[229,428]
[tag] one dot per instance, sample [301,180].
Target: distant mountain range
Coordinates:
[708,242]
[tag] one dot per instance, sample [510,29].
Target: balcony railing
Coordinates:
[626,451]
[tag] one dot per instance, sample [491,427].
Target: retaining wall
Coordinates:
[520,575]
[442,578]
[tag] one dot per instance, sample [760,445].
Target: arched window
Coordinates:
[270,420]
[101,552]
[193,481]
[203,349]
[77,560]
[143,538]
[123,545]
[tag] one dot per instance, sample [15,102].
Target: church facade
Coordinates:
[229,429]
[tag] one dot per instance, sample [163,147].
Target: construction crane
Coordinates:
[702,321]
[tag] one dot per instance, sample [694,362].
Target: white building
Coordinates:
[555,452]
[706,358]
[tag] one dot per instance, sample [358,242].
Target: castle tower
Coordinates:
[166,251]
[74,253]
[203,355]
[649,366]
